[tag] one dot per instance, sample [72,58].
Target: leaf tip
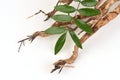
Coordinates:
[55,52]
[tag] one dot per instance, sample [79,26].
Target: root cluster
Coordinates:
[96,22]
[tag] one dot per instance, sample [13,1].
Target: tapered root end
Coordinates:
[29,38]
[58,66]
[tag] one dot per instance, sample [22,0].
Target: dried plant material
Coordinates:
[101,23]
[88,20]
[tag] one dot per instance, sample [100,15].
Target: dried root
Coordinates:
[32,37]
[51,13]
[96,22]
[103,21]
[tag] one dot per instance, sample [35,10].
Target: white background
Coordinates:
[99,60]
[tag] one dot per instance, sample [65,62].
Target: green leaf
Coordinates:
[65,8]
[88,11]
[62,18]
[75,39]
[89,3]
[60,43]
[55,30]
[84,26]
[77,0]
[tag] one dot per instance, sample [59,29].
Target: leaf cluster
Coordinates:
[67,9]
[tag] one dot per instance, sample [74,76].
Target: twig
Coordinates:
[98,4]
[51,13]
[22,43]
[37,13]
[32,37]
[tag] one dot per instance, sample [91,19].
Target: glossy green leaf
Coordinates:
[60,43]
[55,30]
[75,39]
[65,8]
[83,25]
[89,3]
[88,11]
[62,18]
